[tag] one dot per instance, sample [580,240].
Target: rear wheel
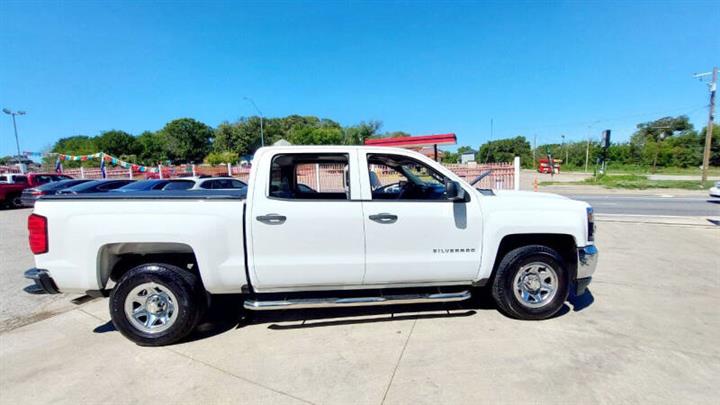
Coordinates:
[531,283]
[157,304]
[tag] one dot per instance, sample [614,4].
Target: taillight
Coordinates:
[37,227]
[36,192]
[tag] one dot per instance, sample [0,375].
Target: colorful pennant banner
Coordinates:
[109,159]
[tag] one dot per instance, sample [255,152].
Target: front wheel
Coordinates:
[531,283]
[156,304]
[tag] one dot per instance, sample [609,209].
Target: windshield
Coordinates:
[142,185]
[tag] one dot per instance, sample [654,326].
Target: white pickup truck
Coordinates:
[319,226]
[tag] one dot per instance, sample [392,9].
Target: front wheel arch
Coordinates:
[564,244]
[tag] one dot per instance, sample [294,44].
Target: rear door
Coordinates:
[306,222]
[413,233]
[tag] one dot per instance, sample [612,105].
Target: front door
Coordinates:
[413,233]
[306,231]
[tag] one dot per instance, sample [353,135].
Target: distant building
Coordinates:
[468,156]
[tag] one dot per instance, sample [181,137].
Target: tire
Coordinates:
[523,281]
[167,302]
[14,201]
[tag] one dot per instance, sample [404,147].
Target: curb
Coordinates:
[701,221]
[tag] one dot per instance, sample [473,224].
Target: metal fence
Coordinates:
[327,177]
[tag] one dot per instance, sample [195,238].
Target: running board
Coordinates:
[259,305]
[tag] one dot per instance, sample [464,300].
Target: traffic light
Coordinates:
[606,138]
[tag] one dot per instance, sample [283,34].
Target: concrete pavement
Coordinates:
[646,333]
[16,307]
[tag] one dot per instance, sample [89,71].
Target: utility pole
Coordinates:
[534,149]
[711,117]
[587,148]
[587,153]
[566,149]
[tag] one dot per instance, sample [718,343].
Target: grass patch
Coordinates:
[635,182]
[641,170]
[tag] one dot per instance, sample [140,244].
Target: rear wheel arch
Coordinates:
[115,259]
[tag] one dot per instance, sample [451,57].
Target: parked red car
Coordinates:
[13,184]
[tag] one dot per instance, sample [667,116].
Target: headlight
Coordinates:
[590,224]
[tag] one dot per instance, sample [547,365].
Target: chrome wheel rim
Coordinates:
[535,284]
[151,307]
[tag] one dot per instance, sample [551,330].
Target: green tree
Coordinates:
[152,148]
[186,140]
[74,145]
[118,143]
[240,137]
[505,150]
[358,134]
[650,137]
[316,136]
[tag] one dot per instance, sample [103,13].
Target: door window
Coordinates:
[310,177]
[394,177]
[208,184]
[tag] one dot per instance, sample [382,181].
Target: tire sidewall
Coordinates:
[520,259]
[179,281]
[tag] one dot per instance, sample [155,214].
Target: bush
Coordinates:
[217,158]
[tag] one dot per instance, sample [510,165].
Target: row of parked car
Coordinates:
[23,190]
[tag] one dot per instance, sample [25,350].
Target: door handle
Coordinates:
[384,218]
[272,219]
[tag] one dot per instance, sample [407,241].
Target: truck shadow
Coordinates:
[227,313]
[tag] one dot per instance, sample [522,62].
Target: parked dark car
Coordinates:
[96,186]
[30,195]
[144,185]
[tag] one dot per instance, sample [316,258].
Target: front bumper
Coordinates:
[587,262]
[44,284]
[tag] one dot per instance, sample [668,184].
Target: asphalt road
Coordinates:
[647,205]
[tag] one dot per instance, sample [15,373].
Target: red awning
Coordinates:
[414,141]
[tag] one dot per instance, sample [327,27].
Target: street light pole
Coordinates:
[13,114]
[262,135]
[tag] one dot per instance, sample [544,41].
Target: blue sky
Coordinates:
[535,68]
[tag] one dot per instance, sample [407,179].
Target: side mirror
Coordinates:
[454,191]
